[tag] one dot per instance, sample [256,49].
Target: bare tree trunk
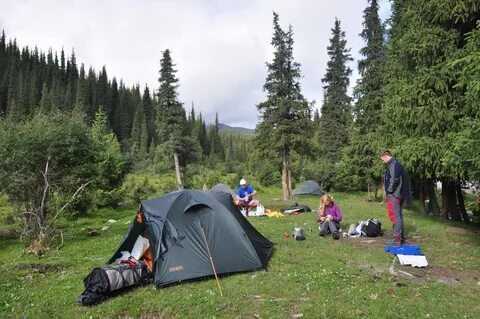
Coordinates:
[461,203]
[376,189]
[42,210]
[432,196]
[286,178]
[449,200]
[369,197]
[177,171]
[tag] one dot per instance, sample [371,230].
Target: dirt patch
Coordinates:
[461,231]
[443,275]
[41,268]
[295,312]
[148,315]
[9,233]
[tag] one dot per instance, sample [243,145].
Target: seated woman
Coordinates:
[244,198]
[329,217]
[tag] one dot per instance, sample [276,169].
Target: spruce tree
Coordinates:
[149,112]
[103,94]
[369,89]
[81,98]
[216,147]
[46,102]
[91,102]
[121,116]
[139,136]
[361,168]
[203,136]
[428,105]
[336,113]
[285,114]
[171,118]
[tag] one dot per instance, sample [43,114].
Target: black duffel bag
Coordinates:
[103,281]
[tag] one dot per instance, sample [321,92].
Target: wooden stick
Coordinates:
[211,261]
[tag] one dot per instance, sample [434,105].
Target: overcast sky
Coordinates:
[219,46]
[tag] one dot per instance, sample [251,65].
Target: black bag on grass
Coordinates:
[373,228]
[104,281]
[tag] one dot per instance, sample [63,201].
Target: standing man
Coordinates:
[397,191]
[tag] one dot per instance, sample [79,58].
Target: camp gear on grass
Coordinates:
[308,188]
[412,260]
[296,208]
[403,250]
[256,211]
[408,255]
[298,233]
[365,228]
[275,214]
[373,228]
[104,281]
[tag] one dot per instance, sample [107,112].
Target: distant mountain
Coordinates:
[224,128]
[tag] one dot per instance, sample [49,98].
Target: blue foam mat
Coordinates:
[404,250]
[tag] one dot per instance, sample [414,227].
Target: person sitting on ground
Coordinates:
[329,217]
[244,198]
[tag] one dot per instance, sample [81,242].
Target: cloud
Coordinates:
[219,47]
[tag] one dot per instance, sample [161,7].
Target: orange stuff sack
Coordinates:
[148,259]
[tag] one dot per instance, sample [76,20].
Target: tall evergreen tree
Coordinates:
[81,99]
[285,113]
[171,118]
[202,136]
[149,112]
[427,104]
[121,121]
[216,147]
[336,109]
[139,136]
[369,89]
[360,159]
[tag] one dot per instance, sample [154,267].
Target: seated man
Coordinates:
[244,198]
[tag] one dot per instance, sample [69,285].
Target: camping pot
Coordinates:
[298,233]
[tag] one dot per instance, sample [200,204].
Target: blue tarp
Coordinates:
[404,250]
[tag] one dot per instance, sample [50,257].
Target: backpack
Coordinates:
[373,228]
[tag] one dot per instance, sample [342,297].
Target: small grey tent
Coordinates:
[222,188]
[186,228]
[308,188]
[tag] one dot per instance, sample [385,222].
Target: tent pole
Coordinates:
[211,261]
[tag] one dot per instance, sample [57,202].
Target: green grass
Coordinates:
[319,277]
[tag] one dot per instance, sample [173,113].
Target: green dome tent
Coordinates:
[186,228]
[308,188]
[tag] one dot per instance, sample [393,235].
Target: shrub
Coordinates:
[54,148]
[138,187]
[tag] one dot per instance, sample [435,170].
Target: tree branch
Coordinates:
[77,192]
